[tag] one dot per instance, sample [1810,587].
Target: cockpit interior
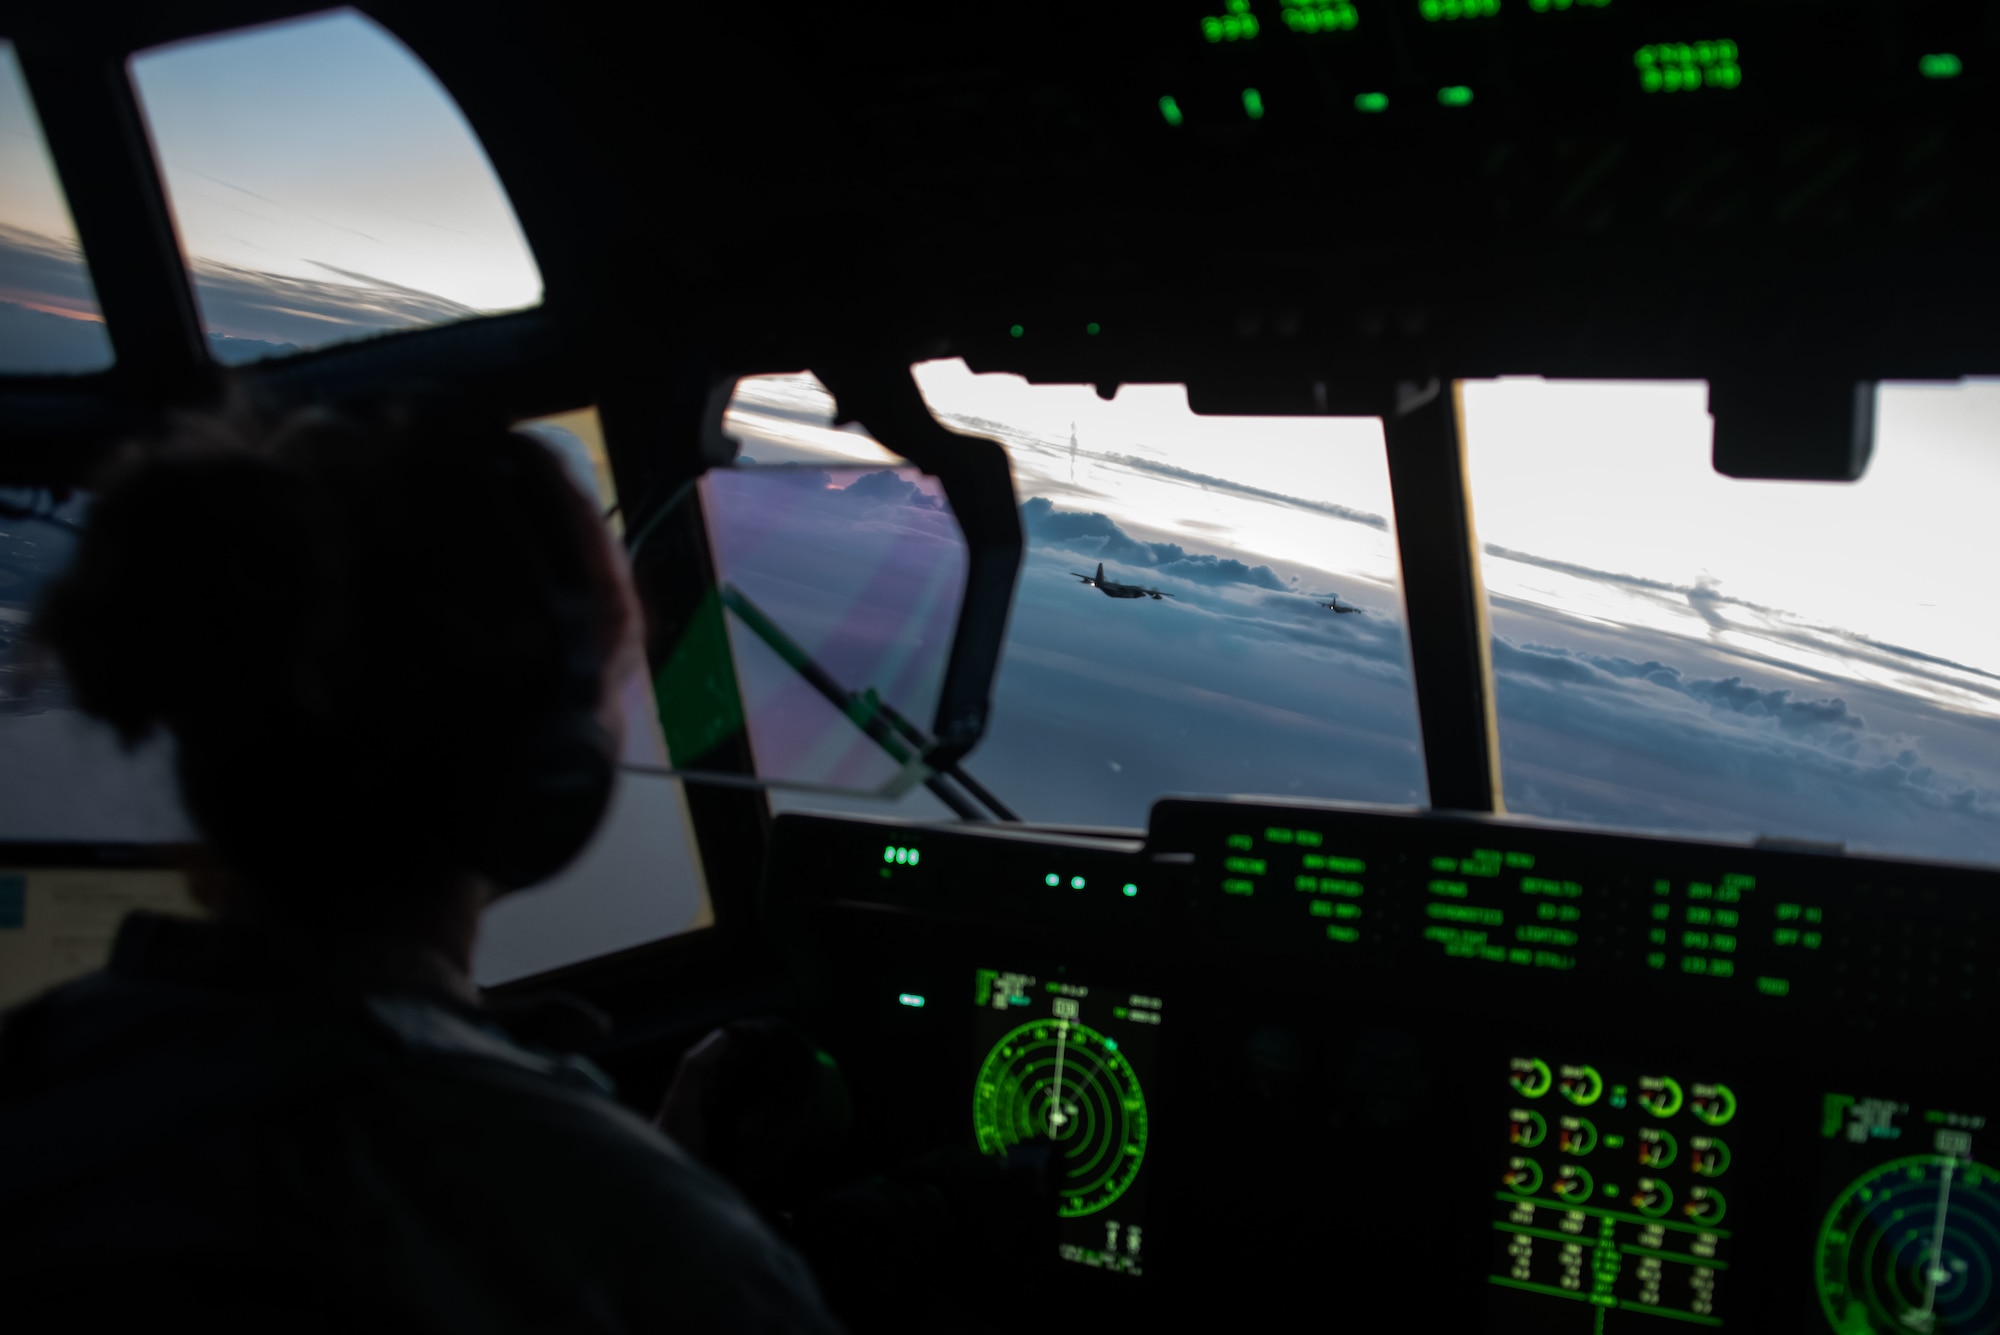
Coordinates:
[1365,624]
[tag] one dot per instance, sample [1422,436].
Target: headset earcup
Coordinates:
[550,805]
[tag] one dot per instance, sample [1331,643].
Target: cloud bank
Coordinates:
[250,313]
[1698,744]
[1096,537]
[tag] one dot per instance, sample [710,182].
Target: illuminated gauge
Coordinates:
[1578,1136]
[1524,1176]
[1657,1148]
[1529,1076]
[1660,1095]
[1573,1184]
[1527,1128]
[1061,1081]
[1714,1104]
[1913,1245]
[1653,1197]
[1705,1206]
[1581,1085]
[1708,1156]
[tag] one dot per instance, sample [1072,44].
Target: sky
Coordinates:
[324,186]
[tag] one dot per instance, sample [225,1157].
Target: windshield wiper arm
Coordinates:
[881,721]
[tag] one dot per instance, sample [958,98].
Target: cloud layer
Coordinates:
[250,313]
[1684,738]
[1095,537]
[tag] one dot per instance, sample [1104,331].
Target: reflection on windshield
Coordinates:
[840,583]
[1676,649]
[1243,677]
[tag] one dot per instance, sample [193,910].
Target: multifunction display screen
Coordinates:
[1068,1065]
[1909,1236]
[1717,925]
[1611,1195]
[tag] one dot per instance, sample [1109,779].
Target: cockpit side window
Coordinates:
[49,319]
[1675,649]
[326,188]
[639,879]
[65,777]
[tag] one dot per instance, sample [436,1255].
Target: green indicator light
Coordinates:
[1338,932]
[1238,25]
[911,999]
[1241,841]
[1076,883]
[1253,104]
[1170,111]
[1236,887]
[1942,65]
[1448,10]
[1093,328]
[1458,95]
[1130,889]
[1683,67]
[1320,15]
[889,854]
[1052,879]
[1017,331]
[1371,102]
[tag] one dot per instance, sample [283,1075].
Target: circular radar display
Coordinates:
[1913,1246]
[1063,1082]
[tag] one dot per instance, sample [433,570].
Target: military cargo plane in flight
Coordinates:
[1335,605]
[1111,588]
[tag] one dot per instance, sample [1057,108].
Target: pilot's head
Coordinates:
[386,649]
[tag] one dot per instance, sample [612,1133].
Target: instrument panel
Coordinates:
[1434,1071]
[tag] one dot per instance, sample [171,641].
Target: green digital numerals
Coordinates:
[1059,1081]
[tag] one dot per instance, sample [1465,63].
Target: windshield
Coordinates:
[1207,604]
[1675,649]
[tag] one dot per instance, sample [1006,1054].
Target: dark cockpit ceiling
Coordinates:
[1347,1077]
[758,188]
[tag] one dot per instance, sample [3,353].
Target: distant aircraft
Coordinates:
[1111,588]
[1336,605]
